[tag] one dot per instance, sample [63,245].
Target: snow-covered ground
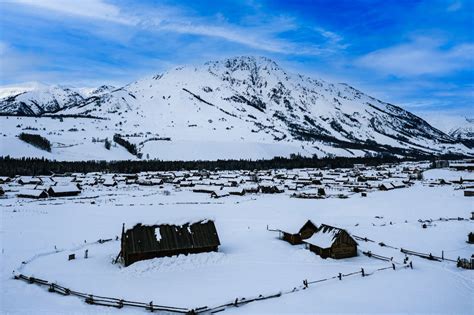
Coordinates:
[78,139]
[251,260]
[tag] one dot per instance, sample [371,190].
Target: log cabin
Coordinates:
[332,242]
[306,231]
[150,241]
[64,191]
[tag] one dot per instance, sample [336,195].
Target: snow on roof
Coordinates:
[324,237]
[31,192]
[64,188]
[178,221]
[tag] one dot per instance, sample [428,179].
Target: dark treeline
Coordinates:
[36,140]
[35,166]
[132,148]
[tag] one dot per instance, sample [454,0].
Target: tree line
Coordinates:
[40,166]
[36,140]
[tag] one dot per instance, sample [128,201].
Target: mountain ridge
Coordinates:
[252,99]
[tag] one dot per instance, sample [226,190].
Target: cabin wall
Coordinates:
[343,251]
[132,258]
[293,239]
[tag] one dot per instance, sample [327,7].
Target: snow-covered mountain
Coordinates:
[243,101]
[40,99]
[464,131]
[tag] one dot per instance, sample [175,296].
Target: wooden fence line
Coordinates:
[426,256]
[120,303]
[405,251]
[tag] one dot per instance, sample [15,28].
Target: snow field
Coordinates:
[250,261]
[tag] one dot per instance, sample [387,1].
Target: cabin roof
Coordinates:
[64,189]
[324,236]
[166,237]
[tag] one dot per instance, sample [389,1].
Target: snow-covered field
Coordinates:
[251,260]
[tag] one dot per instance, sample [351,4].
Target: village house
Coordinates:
[150,241]
[33,193]
[4,179]
[306,231]
[109,182]
[470,238]
[468,193]
[332,242]
[28,180]
[219,193]
[64,191]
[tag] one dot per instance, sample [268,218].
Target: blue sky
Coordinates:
[417,54]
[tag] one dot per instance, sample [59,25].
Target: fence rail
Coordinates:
[120,303]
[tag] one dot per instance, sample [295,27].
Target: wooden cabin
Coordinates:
[470,238]
[64,191]
[333,242]
[270,189]
[33,193]
[4,179]
[305,232]
[150,241]
[440,164]
[469,193]
[219,193]
[149,181]
[237,191]
[29,180]
[109,182]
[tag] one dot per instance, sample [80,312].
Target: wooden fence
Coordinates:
[120,303]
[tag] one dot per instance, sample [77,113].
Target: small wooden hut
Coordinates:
[306,231]
[150,241]
[33,193]
[64,191]
[469,193]
[470,238]
[333,242]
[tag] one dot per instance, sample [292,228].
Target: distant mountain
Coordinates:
[465,131]
[40,100]
[248,100]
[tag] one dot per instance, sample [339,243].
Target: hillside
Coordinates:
[244,107]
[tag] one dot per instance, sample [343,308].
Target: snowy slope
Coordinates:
[464,131]
[247,102]
[39,99]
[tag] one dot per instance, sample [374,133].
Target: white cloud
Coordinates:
[420,57]
[93,9]
[262,35]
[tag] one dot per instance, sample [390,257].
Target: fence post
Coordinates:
[305,283]
[393,266]
[362,271]
[340,276]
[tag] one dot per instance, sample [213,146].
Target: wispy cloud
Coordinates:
[93,9]
[263,36]
[423,56]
